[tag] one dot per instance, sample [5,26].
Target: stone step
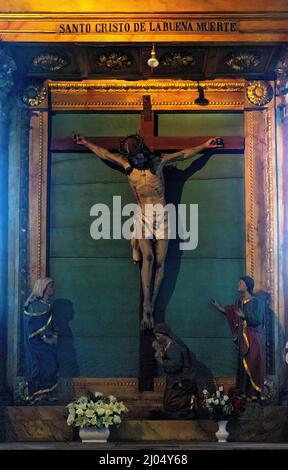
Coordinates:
[165,430]
[48,423]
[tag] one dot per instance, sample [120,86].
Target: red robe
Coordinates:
[248,333]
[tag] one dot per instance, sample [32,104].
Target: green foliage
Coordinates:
[94,409]
[222,406]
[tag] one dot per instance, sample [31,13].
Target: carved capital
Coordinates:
[34,95]
[259,92]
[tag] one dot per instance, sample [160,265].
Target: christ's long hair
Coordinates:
[137,142]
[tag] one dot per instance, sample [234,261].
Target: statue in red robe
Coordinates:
[246,320]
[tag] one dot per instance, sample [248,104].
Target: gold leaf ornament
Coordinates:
[34,95]
[259,92]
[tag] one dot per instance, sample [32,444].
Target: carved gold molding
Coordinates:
[165,94]
[271,251]
[137,105]
[39,196]
[251,223]
[146,86]
[191,104]
[38,169]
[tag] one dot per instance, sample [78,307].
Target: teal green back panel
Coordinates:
[199,123]
[97,285]
[97,304]
[91,124]
[212,270]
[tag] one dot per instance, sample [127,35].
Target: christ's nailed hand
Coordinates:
[216,142]
[79,139]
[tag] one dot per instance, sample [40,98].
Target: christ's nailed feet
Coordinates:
[147,322]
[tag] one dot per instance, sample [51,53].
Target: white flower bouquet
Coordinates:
[219,405]
[95,410]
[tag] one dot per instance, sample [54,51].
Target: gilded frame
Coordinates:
[261,210]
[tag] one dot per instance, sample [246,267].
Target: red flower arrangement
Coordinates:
[221,406]
[237,399]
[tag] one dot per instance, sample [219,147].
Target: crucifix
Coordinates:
[139,156]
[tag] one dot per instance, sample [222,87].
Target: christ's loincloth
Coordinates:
[149,225]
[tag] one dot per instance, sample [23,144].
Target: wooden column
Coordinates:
[262,222]
[38,171]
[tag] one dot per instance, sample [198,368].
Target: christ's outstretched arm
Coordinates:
[103,153]
[185,154]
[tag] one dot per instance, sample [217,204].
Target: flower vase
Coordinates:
[94,434]
[222,434]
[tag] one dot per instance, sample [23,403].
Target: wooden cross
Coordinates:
[147,365]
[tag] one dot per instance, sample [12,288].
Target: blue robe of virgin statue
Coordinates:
[41,365]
